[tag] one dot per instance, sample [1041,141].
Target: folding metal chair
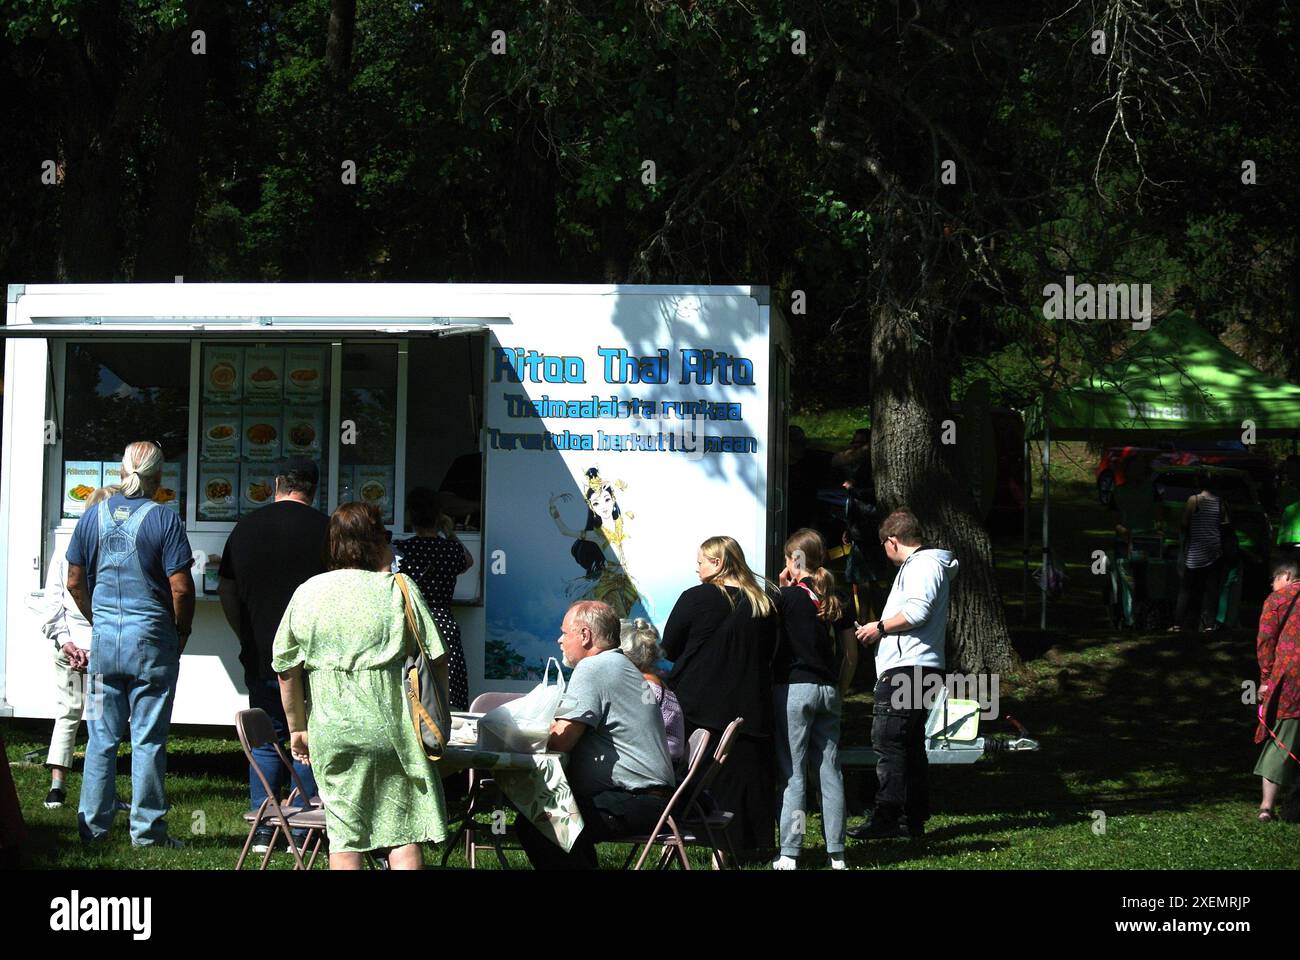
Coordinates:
[702,827]
[666,831]
[481,797]
[255,730]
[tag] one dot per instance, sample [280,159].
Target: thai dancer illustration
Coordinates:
[599,548]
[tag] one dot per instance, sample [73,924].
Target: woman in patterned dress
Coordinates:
[346,629]
[434,558]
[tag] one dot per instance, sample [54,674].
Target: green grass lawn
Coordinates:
[1145,731]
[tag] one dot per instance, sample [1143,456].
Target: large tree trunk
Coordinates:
[165,239]
[331,234]
[91,150]
[913,468]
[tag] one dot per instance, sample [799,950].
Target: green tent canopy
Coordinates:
[1176,378]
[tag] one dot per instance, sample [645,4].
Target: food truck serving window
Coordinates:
[116,393]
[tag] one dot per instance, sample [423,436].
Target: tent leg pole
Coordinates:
[1047,504]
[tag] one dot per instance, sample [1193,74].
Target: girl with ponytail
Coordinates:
[810,678]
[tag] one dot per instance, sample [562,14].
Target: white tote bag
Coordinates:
[524,725]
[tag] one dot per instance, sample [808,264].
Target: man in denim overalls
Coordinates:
[140,602]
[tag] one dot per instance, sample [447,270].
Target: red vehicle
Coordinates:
[1183,452]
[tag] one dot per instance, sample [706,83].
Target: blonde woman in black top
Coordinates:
[721,637]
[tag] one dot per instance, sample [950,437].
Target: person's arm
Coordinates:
[56,621]
[565,735]
[869,633]
[55,626]
[294,700]
[77,588]
[1186,520]
[182,584]
[228,591]
[555,515]
[677,630]
[1266,640]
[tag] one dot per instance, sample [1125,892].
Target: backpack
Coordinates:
[426,686]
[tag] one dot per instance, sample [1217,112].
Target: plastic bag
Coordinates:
[524,725]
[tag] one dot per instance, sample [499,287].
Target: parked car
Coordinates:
[1188,452]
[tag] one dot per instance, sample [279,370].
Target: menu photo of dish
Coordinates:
[218,491]
[302,430]
[374,485]
[80,480]
[169,491]
[221,433]
[304,373]
[262,433]
[257,489]
[223,369]
[264,373]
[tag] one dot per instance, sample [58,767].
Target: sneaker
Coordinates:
[122,805]
[166,843]
[262,839]
[837,863]
[54,799]
[785,863]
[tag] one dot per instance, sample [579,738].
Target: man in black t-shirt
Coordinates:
[270,553]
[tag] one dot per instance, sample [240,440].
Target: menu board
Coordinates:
[221,428]
[263,374]
[257,488]
[223,373]
[112,473]
[374,485]
[260,405]
[80,479]
[218,491]
[302,431]
[169,491]
[262,428]
[304,374]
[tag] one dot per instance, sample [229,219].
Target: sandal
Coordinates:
[1266,815]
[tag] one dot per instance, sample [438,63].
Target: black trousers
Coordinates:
[898,737]
[610,815]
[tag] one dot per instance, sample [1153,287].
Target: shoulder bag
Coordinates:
[426,686]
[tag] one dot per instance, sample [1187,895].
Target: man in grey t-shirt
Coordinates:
[610,725]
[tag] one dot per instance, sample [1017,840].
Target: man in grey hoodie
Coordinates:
[909,667]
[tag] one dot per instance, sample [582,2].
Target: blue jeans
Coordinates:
[265,695]
[808,730]
[131,684]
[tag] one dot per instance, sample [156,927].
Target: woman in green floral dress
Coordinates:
[347,630]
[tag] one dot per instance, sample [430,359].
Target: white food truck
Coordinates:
[589,437]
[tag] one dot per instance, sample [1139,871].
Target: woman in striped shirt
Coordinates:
[1202,521]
